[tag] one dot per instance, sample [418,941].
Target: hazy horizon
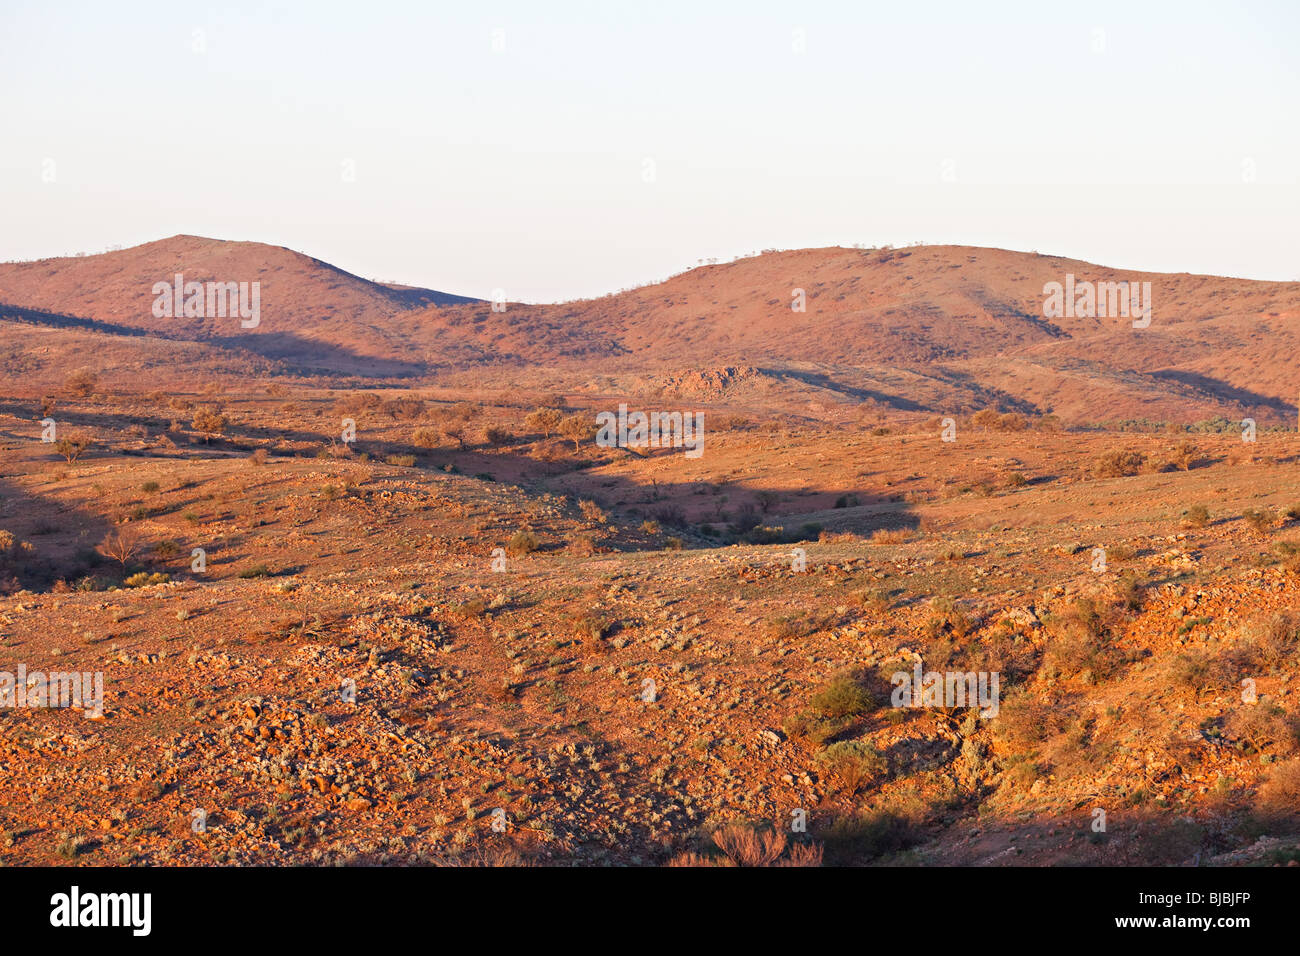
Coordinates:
[651,281]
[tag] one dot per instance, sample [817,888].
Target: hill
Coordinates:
[924,329]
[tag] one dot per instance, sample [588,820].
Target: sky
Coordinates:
[566,149]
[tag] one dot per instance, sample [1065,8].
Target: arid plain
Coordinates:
[364,588]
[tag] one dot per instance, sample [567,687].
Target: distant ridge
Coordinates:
[916,328]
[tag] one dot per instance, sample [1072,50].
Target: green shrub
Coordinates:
[865,836]
[166,549]
[842,697]
[144,579]
[854,761]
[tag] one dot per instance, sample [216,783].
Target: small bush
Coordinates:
[1184,456]
[475,607]
[1273,640]
[497,436]
[816,730]
[588,626]
[166,549]
[842,697]
[426,437]
[672,516]
[855,762]
[865,836]
[1280,793]
[872,600]
[81,383]
[72,846]
[1025,722]
[144,579]
[523,542]
[1258,521]
[1190,670]
[1119,464]
[1078,639]
[1127,592]
[210,421]
[1264,724]
[745,846]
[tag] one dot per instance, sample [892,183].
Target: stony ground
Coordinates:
[703,649]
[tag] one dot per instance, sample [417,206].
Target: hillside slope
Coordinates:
[965,324]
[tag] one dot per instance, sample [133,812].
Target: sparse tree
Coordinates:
[455,431]
[578,428]
[403,409]
[121,544]
[545,420]
[209,420]
[73,448]
[453,422]
[425,437]
[81,383]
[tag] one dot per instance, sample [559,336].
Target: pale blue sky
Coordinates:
[1175,146]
